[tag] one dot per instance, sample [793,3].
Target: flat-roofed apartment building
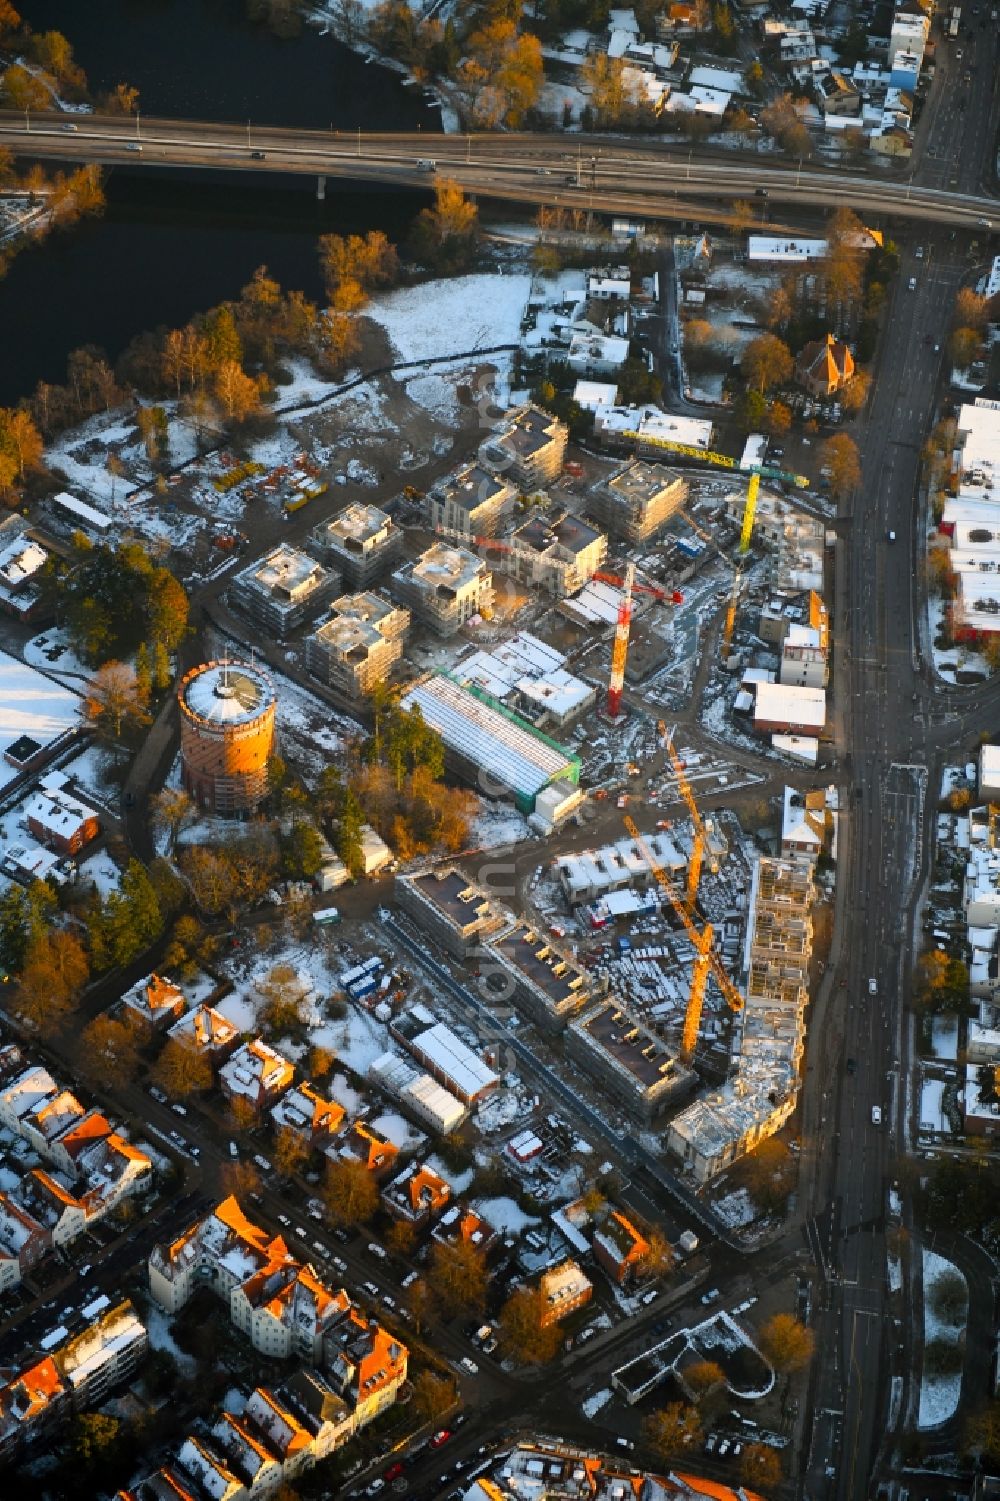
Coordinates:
[542,979]
[528,447]
[638,499]
[451,910]
[357,648]
[632,1063]
[558,554]
[362,542]
[445,587]
[471,501]
[281,589]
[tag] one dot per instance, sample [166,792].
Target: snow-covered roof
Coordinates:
[458,1063]
[788,703]
[497,744]
[591,394]
[781,248]
[227,692]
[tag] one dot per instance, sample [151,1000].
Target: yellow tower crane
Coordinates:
[749,512]
[707,959]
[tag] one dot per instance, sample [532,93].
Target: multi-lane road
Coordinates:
[610,174]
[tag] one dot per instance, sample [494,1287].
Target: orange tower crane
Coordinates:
[698,843]
[707,960]
[619,651]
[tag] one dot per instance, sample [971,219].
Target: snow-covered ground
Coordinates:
[736,1208]
[948,660]
[441,318]
[102,870]
[160,1338]
[498,824]
[939,1395]
[504,1215]
[31,705]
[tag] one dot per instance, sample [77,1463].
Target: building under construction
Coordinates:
[227,735]
[631,1062]
[637,500]
[761,1095]
[556,554]
[470,502]
[445,587]
[362,543]
[358,647]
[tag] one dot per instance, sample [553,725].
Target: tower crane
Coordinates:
[619,650]
[700,834]
[707,960]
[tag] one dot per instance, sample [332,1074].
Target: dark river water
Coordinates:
[172,243]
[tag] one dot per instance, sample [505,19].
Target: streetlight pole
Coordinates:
[248,135]
[359,140]
[137,131]
[27,126]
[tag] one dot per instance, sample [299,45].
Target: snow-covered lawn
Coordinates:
[504,1215]
[447,317]
[52,652]
[102,870]
[939,1395]
[31,705]
[160,1338]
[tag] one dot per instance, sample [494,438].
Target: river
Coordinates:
[170,243]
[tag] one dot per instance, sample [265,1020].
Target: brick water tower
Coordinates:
[227,735]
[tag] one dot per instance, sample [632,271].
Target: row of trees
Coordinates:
[970,319]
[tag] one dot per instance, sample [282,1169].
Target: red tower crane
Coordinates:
[619,651]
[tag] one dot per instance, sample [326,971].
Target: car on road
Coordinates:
[178,1109]
[234,1150]
[912,284]
[872,986]
[393,1472]
[379,1252]
[340,1264]
[441,1437]
[257,156]
[876,1115]
[284,1220]
[624,1443]
[469,1365]
[158,1094]
[852,1065]
[378,1484]
[710,1297]
[890,536]
[919,252]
